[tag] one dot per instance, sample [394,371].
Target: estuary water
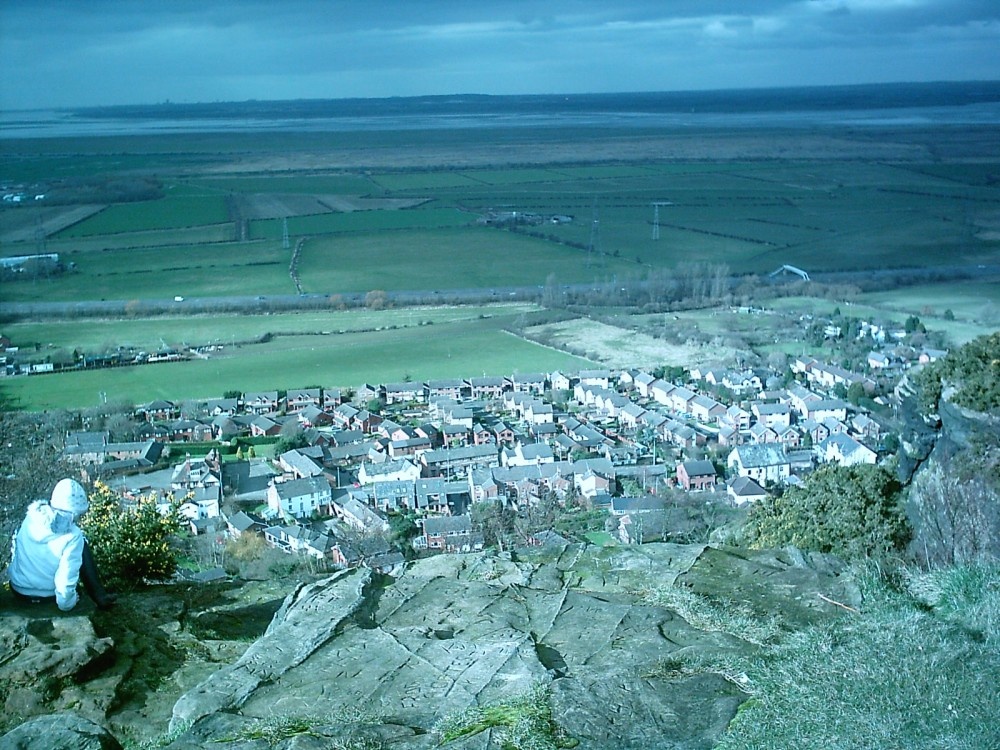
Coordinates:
[884,106]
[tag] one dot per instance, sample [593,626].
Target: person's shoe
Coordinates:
[107,601]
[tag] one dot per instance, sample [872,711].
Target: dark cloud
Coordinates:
[104,51]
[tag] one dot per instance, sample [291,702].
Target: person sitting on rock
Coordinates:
[51,555]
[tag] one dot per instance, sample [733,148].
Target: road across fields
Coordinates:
[261,304]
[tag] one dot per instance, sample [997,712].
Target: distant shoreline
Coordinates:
[882,105]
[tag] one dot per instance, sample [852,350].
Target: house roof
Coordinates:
[637,504]
[701,468]
[303,393]
[388,467]
[447,525]
[845,444]
[761,455]
[746,487]
[487,381]
[445,384]
[460,454]
[762,409]
[300,487]
[534,451]
[385,488]
[241,521]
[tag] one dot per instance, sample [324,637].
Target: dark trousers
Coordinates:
[91,578]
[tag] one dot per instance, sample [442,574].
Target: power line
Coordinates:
[656,217]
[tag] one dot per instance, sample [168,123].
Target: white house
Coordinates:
[299,498]
[845,450]
[764,462]
[388,471]
[772,415]
[744,490]
[527,455]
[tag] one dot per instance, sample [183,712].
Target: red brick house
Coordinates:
[696,475]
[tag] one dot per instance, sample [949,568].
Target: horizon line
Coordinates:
[399,97]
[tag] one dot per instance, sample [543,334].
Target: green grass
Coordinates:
[221,269]
[342,730]
[332,184]
[201,330]
[915,669]
[709,615]
[444,259]
[752,216]
[206,235]
[165,213]
[395,182]
[460,349]
[362,221]
[524,721]
[515,176]
[600,538]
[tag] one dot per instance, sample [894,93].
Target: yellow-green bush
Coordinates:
[131,544]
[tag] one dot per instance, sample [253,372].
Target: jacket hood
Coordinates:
[43,522]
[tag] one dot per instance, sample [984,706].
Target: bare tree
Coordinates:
[30,465]
[376,299]
[956,518]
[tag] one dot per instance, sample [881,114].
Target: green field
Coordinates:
[166,213]
[461,348]
[753,216]
[864,202]
[151,334]
[475,257]
[364,223]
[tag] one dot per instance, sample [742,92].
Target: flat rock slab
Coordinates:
[306,621]
[391,658]
[799,588]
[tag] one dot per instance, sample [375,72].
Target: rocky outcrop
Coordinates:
[938,438]
[59,732]
[385,662]
[47,658]
[308,618]
[391,659]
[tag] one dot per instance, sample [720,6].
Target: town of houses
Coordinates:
[435,448]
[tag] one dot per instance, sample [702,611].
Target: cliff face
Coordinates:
[377,662]
[938,439]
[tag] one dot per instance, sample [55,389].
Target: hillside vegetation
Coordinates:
[970,376]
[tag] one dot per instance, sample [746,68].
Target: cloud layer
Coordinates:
[57,53]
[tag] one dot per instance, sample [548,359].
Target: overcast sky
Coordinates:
[59,53]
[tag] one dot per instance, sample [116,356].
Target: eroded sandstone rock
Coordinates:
[46,657]
[67,731]
[397,656]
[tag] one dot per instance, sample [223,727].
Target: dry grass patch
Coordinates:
[620,347]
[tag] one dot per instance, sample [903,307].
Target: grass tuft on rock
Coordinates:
[523,722]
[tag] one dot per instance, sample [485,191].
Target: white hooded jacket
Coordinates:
[47,554]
